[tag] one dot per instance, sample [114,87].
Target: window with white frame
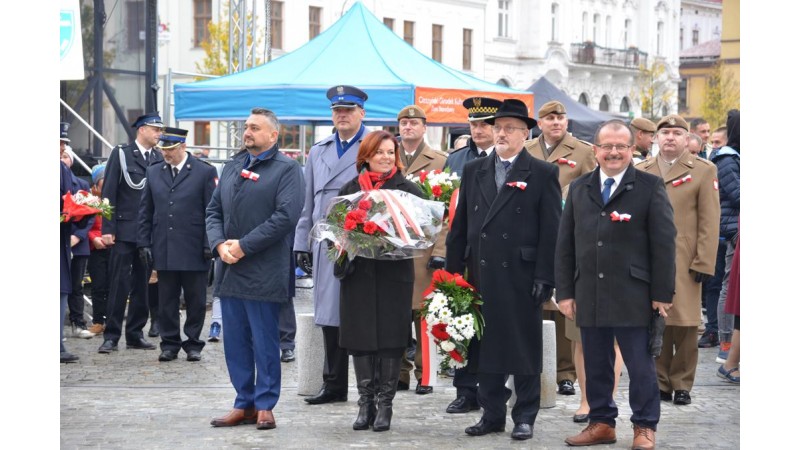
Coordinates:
[503,12]
[554,22]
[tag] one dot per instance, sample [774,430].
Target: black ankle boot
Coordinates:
[389,372]
[364,367]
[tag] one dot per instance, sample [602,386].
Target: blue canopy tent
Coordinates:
[583,121]
[358,50]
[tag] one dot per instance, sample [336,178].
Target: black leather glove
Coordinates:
[207,253]
[542,293]
[146,256]
[701,277]
[304,261]
[436,262]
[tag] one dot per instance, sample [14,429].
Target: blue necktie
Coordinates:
[607,189]
[506,164]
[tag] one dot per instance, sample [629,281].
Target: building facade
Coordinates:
[592,49]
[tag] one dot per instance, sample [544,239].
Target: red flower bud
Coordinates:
[370,227]
[350,225]
[439,332]
[423,176]
[437,191]
[364,205]
[456,356]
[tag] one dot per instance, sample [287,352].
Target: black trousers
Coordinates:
[335,372]
[152,301]
[493,395]
[98,271]
[75,299]
[287,324]
[170,283]
[128,275]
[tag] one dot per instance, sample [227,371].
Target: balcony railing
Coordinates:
[589,53]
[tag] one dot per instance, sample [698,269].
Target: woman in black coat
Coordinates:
[375,295]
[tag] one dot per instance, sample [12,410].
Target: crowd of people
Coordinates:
[603,238]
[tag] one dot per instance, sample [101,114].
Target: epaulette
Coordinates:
[704,161]
[204,161]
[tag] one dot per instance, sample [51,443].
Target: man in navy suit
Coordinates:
[510,265]
[615,266]
[125,179]
[172,240]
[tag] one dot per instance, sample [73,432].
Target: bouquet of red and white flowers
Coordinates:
[82,204]
[451,311]
[439,185]
[379,224]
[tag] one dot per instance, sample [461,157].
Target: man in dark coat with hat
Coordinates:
[480,144]
[124,181]
[510,265]
[172,239]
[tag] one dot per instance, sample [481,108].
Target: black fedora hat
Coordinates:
[513,108]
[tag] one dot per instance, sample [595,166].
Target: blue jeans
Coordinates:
[711,290]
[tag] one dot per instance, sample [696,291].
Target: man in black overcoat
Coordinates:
[615,266]
[172,240]
[508,211]
[125,179]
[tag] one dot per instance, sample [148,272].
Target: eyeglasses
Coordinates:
[507,129]
[618,147]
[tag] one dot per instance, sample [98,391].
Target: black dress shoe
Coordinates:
[139,343]
[402,386]
[580,418]
[565,387]
[422,389]
[682,398]
[326,396]
[155,331]
[522,431]
[108,346]
[193,355]
[484,427]
[462,405]
[67,357]
[665,396]
[167,355]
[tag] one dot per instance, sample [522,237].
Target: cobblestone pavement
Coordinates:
[128,400]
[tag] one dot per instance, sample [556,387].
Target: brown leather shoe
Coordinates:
[236,417]
[594,433]
[266,421]
[643,438]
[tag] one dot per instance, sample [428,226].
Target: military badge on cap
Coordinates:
[412,112]
[481,108]
[152,119]
[64,130]
[172,137]
[672,121]
[344,96]
[552,107]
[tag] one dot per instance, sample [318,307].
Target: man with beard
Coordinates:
[252,213]
[511,266]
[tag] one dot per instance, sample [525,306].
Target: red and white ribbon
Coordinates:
[250,175]
[569,162]
[617,217]
[521,185]
[716,184]
[398,214]
[428,349]
[680,181]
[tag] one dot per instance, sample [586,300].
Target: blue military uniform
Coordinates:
[172,223]
[124,181]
